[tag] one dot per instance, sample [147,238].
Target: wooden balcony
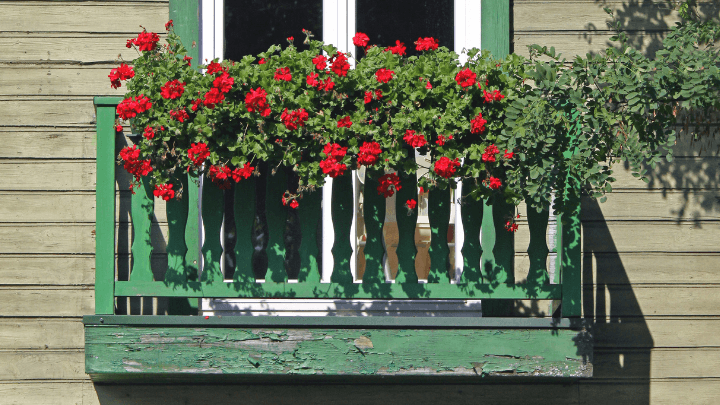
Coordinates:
[295,259]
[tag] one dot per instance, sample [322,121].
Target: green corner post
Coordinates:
[186,21]
[105,206]
[495,26]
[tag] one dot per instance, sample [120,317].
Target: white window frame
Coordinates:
[339,26]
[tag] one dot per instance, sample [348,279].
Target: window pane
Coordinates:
[386,21]
[251,26]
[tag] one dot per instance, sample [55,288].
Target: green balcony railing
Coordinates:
[488,272]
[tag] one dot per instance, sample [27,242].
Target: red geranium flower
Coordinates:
[411,204]
[360,39]
[122,72]
[344,122]
[242,172]
[172,89]
[149,133]
[320,62]
[508,155]
[331,165]
[212,97]
[118,128]
[312,79]
[478,124]
[326,84]
[138,168]
[294,119]
[164,191]
[495,183]
[428,85]
[489,153]
[511,226]
[389,184]
[261,61]
[426,44]
[398,49]
[224,82]
[368,96]
[145,41]
[283,74]
[465,78]
[180,115]
[444,167]
[215,67]
[130,107]
[198,152]
[491,96]
[414,140]
[168,25]
[339,64]
[256,100]
[369,153]
[384,75]
[442,139]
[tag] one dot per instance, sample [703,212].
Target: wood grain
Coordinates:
[41,333]
[46,302]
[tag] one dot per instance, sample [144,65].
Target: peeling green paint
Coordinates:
[116,350]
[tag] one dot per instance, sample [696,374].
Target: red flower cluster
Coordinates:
[168,25]
[138,168]
[414,140]
[215,67]
[384,75]
[369,95]
[344,122]
[326,85]
[164,191]
[442,139]
[491,96]
[172,89]
[369,153]
[212,97]
[339,64]
[389,184]
[428,85]
[122,72]
[294,119]
[489,154]
[293,203]
[283,74]
[398,49]
[223,175]
[444,167]
[149,133]
[511,226]
[332,165]
[411,204]
[426,44]
[180,115]
[256,100]
[145,41]
[118,128]
[465,78]
[508,155]
[187,59]
[130,107]
[320,62]
[494,183]
[261,61]
[224,82]
[478,124]
[198,152]
[360,39]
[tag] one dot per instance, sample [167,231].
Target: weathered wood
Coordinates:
[50,80]
[90,17]
[334,352]
[47,111]
[574,43]
[651,332]
[45,392]
[41,333]
[47,269]
[48,143]
[588,15]
[46,301]
[87,48]
[661,392]
[42,365]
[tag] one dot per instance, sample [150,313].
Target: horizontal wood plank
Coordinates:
[48,111]
[41,333]
[581,42]
[79,16]
[47,269]
[53,81]
[46,302]
[42,365]
[46,392]
[49,143]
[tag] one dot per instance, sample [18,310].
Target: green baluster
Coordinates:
[439,217]
[276,219]
[406,249]
[212,215]
[142,208]
[374,214]
[471,214]
[342,207]
[310,213]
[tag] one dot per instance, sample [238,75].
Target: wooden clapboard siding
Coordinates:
[41,333]
[58,80]
[46,301]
